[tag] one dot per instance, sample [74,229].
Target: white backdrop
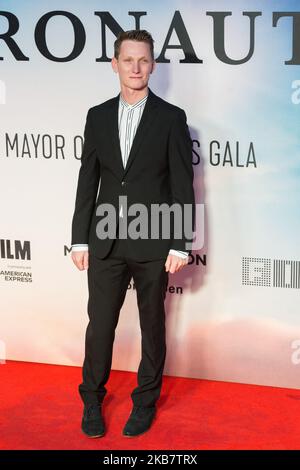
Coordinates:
[233,313]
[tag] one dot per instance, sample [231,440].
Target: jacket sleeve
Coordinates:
[181,180]
[87,187]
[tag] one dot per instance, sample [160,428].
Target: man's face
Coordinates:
[134,64]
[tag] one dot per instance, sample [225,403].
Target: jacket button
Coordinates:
[123,183]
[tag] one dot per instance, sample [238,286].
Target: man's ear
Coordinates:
[114,64]
[153,66]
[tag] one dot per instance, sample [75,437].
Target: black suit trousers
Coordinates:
[108,281]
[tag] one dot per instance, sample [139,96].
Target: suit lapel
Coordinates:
[149,113]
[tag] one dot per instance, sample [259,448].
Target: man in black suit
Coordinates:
[138,147]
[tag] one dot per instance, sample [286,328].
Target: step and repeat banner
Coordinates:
[233,314]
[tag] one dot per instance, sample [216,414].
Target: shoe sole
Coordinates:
[93,437]
[135,435]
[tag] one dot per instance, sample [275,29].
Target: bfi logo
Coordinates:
[270,273]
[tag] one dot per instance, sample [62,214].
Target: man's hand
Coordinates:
[80,259]
[175,263]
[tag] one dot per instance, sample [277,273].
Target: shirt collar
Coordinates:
[134,105]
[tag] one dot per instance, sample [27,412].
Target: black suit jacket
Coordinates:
[158,170]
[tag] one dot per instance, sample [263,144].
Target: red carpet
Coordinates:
[41,409]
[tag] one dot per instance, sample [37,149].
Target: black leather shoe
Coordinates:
[139,421]
[92,423]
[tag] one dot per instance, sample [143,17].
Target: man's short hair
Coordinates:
[140,35]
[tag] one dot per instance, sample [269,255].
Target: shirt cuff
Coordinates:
[80,247]
[180,254]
